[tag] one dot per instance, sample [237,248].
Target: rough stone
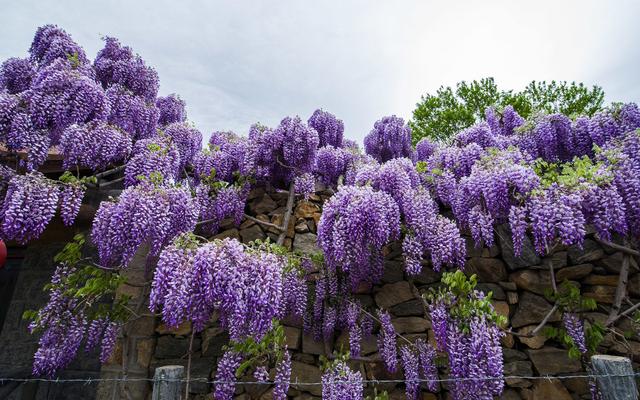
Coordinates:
[510,394]
[306,209]
[574,273]
[262,205]
[590,251]
[612,263]
[531,310]
[534,342]
[409,308]
[600,293]
[394,293]
[427,276]
[527,258]
[302,227]
[606,280]
[393,271]
[173,347]
[518,368]
[144,350]
[213,340]
[311,346]
[495,289]
[181,330]
[487,269]
[551,361]
[474,251]
[410,324]
[534,281]
[292,337]
[550,389]
[634,285]
[306,243]
[512,297]
[559,259]
[511,355]
[229,233]
[252,233]
[502,308]
[306,373]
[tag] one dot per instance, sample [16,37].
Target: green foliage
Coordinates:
[73,59]
[441,115]
[91,286]
[593,333]
[573,174]
[569,298]
[459,295]
[70,179]
[269,349]
[378,396]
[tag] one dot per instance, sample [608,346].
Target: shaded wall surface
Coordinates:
[518,286]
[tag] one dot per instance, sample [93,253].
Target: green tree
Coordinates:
[439,116]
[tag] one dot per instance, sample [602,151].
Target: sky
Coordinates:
[240,62]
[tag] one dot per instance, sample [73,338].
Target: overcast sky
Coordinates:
[240,62]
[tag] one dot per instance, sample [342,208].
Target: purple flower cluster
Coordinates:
[51,43]
[158,155]
[187,139]
[331,164]
[117,65]
[389,138]
[330,129]
[16,75]
[575,330]
[425,149]
[505,123]
[304,185]
[144,214]
[387,341]
[355,224]
[226,375]
[428,369]
[132,113]
[411,367]
[70,202]
[94,145]
[245,287]
[227,154]
[218,204]
[172,109]
[480,134]
[341,383]
[283,377]
[29,204]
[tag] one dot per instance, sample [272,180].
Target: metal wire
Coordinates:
[296,383]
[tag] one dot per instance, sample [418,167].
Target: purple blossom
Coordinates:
[575,330]
[187,139]
[341,383]
[329,128]
[226,375]
[410,365]
[16,75]
[283,377]
[172,109]
[389,138]
[387,342]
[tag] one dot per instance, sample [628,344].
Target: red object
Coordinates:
[3,253]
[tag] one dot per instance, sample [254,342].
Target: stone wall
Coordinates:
[518,286]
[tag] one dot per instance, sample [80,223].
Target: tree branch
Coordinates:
[261,222]
[619,247]
[623,314]
[186,390]
[544,320]
[287,214]
[621,289]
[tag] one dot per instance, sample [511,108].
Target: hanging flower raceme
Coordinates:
[132,113]
[172,109]
[355,224]
[16,75]
[575,330]
[466,328]
[389,138]
[480,134]
[387,341]
[70,202]
[94,146]
[143,214]
[29,204]
[226,156]
[425,149]
[187,139]
[339,382]
[330,129]
[219,201]
[18,132]
[503,123]
[153,158]
[117,65]
[60,96]
[332,163]
[51,43]
[244,286]
[395,177]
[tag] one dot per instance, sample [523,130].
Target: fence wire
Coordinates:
[88,381]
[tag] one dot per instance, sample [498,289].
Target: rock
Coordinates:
[306,209]
[512,297]
[535,342]
[498,292]
[172,347]
[306,243]
[302,372]
[410,324]
[600,293]
[229,233]
[633,285]
[213,340]
[507,341]
[181,330]
[551,361]
[262,205]
[510,394]
[534,281]
[302,228]
[550,389]
[487,269]
[559,259]
[252,233]
[310,346]
[394,293]
[413,307]
[511,286]
[629,349]
[144,349]
[511,355]
[393,271]
[502,308]
[292,337]
[578,386]
[590,251]
[612,263]
[474,251]
[606,280]
[427,276]
[527,258]
[574,273]
[518,368]
[531,310]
